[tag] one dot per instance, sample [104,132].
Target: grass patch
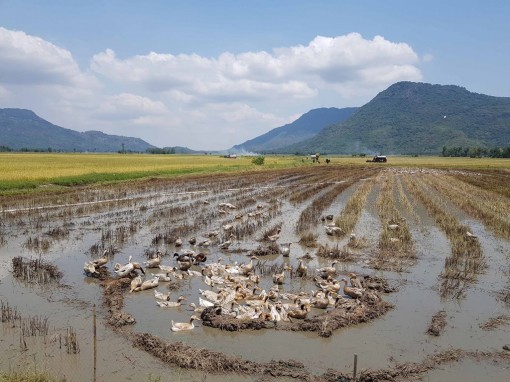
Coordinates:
[26,376]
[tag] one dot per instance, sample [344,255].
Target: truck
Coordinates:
[378,158]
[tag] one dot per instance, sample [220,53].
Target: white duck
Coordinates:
[126,269]
[205,303]
[163,276]
[278,278]
[161,296]
[179,326]
[227,243]
[149,284]
[328,271]
[167,268]
[470,235]
[101,262]
[333,230]
[135,284]
[154,262]
[193,273]
[275,315]
[285,249]
[211,295]
[301,269]
[247,268]
[90,269]
[227,227]
[171,304]
[276,236]
[204,243]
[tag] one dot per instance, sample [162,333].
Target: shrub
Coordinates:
[259,160]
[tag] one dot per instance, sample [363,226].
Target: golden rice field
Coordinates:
[49,166]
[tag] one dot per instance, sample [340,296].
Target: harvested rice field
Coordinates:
[276,275]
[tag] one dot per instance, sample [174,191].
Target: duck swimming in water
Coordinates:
[149,284]
[179,326]
[161,296]
[285,249]
[328,271]
[301,269]
[154,262]
[276,236]
[171,304]
[247,268]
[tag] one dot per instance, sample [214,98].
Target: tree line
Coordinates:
[156,150]
[476,152]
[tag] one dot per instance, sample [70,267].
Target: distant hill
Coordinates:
[306,126]
[417,118]
[21,128]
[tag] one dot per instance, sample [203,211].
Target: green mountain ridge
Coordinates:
[306,126]
[21,128]
[416,118]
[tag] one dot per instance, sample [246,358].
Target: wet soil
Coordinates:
[134,340]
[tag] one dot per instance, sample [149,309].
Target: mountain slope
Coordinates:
[304,127]
[417,118]
[21,128]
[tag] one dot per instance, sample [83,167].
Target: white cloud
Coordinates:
[29,60]
[191,100]
[295,72]
[129,106]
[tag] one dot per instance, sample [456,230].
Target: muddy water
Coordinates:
[399,335]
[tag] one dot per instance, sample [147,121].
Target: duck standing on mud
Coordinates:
[125,270]
[354,293]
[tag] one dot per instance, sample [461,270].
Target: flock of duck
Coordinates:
[234,290]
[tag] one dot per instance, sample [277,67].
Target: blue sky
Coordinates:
[211,74]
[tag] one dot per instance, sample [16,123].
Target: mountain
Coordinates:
[417,118]
[21,128]
[304,127]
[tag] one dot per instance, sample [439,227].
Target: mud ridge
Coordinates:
[189,357]
[113,299]
[412,371]
[437,324]
[350,312]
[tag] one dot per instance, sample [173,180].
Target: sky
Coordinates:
[212,74]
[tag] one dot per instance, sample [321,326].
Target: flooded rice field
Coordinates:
[289,274]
